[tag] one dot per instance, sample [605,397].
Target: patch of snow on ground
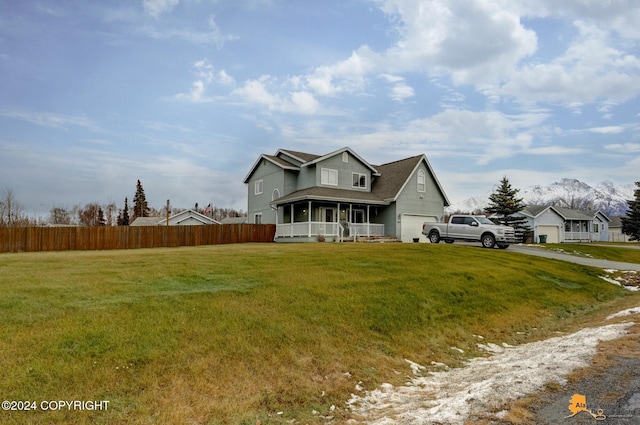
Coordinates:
[483,385]
[630,311]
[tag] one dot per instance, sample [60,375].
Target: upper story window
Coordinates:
[345,157]
[259,187]
[360,180]
[422,186]
[329,177]
[275,194]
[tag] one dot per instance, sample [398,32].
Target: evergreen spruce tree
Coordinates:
[140,206]
[504,203]
[123,217]
[631,222]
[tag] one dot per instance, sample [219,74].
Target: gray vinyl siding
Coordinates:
[411,201]
[345,172]
[273,177]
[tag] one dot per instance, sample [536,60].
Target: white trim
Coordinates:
[360,175]
[255,218]
[258,187]
[422,175]
[329,173]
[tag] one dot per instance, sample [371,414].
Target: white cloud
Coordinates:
[49,119]
[473,41]
[624,148]
[612,129]
[205,76]
[257,92]
[214,36]
[156,8]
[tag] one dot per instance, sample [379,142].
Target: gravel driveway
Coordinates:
[542,252]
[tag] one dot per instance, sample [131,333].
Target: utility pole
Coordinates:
[168,211]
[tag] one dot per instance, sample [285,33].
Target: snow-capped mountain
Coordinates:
[571,193]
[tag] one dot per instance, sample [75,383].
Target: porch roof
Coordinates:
[331,195]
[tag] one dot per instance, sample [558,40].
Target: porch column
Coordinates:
[309,221]
[291,222]
[339,228]
[368,222]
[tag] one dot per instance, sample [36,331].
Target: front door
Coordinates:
[328,217]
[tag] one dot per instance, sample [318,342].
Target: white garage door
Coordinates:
[552,233]
[411,227]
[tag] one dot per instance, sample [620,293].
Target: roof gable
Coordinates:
[285,165]
[187,214]
[395,176]
[339,152]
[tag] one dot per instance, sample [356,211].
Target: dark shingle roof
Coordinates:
[393,177]
[306,157]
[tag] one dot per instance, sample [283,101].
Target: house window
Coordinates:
[257,218]
[360,180]
[259,187]
[329,177]
[275,194]
[345,157]
[421,181]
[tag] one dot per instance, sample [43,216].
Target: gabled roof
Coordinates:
[566,213]
[391,180]
[276,160]
[300,156]
[146,221]
[396,176]
[338,152]
[187,214]
[174,219]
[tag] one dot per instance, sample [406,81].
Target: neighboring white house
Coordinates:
[340,194]
[187,217]
[615,230]
[561,224]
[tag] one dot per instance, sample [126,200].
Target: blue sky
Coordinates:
[186,94]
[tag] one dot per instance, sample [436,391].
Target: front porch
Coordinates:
[313,220]
[579,231]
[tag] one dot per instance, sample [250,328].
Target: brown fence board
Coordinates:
[30,239]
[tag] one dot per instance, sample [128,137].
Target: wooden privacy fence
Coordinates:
[29,239]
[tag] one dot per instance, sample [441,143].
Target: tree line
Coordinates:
[12,213]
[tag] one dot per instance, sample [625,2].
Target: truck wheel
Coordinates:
[488,241]
[434,237]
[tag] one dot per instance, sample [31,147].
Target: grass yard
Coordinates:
[236,334]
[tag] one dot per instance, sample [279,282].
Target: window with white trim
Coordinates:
[422,186]
[257,218]
[259,187]
[359,180]
[345,157]
[275,194]
[329,177]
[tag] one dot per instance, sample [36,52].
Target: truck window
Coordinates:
[457,220]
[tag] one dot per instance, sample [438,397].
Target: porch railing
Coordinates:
[314,228]
[578,236]
[368,229]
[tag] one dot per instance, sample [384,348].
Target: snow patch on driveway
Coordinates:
[483,385]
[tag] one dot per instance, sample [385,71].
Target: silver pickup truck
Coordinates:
[470,228]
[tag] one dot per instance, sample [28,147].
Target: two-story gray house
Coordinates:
[340,195]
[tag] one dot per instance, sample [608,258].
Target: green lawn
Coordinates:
[238,333]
